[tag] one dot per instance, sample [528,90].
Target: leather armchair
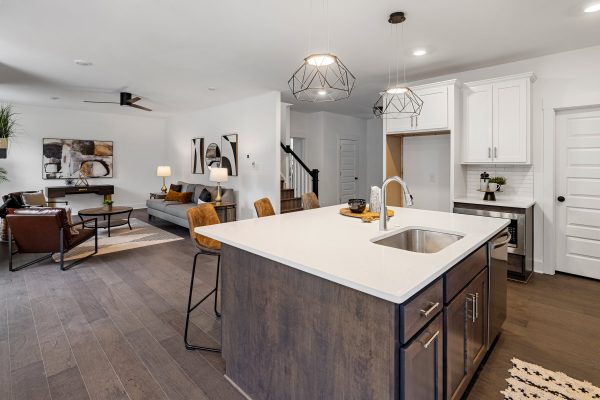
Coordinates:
[46,230]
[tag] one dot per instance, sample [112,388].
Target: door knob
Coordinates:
[356,178]
[560,198]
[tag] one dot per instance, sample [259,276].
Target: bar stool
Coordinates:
[310,201]
[202,215]
[263,207]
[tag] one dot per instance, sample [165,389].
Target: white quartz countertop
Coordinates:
[324,243]
[513,202]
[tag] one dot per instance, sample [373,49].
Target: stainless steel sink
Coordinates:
[420,240]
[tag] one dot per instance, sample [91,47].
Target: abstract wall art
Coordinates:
[229,153]
[197,155]
[72,158]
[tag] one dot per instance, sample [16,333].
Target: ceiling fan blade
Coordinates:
[140,107]
[100,102]
[135,99]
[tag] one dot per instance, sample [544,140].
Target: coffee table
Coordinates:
[107,214]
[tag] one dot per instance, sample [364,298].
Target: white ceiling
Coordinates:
[171,51]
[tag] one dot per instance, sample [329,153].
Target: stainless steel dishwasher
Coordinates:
[497,274]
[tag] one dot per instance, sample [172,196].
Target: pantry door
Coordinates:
[348,155]
[578,192]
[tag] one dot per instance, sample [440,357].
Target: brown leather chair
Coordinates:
[310,201]
[263,207]
[203,215]
[46,230]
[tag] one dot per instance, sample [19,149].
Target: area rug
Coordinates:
[121,238]
[530,381]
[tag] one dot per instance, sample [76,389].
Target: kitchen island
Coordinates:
[313,307]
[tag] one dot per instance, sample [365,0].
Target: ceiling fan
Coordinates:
[126,100]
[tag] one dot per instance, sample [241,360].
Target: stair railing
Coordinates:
[302,179]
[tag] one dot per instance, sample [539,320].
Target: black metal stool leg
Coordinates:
[191,308]
[218,314]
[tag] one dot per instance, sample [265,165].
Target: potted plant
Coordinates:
[498,180]
[108,203]
[7,128]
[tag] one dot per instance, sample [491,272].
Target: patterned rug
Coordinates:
[530,381]
[121,238]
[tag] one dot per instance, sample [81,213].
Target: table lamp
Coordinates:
[218,175]
[164,171]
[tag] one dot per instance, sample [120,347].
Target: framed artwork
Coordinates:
[229,153]
[75,158]
[213,155]
[198,155]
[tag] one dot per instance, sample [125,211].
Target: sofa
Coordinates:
[176,212]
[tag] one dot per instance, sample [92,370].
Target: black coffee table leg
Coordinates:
[108,226]
[129,219]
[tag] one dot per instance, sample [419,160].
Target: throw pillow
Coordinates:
[34,199]
[175,188]
[172,196]
[186,197]
[205,196]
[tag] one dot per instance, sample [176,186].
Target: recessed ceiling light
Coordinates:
[419,52]
[83,63]
[592,8]
[54,98]
[212,88]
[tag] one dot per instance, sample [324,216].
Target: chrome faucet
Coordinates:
[408,200]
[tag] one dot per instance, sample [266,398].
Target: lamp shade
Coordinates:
[219,174]
[163,170]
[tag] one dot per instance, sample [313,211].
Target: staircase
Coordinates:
[300,179]
[289,203]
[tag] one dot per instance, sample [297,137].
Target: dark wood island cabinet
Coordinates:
[288,334]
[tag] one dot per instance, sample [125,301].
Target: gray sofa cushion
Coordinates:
[179,210]
[227,195]
[159,204]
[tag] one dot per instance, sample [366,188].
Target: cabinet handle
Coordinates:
[472,299]
[411,122]
[431,339]
[489,152]
[476,305]
[425,313]
[495,152]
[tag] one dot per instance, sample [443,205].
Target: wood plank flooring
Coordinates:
[112,328]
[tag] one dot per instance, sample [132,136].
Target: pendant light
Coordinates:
[322,76]
[398,101]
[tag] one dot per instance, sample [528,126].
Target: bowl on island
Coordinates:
[357,206]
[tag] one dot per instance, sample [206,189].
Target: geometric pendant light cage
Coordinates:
[398,101]
[322,77]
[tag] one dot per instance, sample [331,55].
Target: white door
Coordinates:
[578,192]
[348,170]
[510,121]
[434,114]
[477,124]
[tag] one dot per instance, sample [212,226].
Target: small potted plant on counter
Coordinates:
[108,203]
[7,128]
[499,181]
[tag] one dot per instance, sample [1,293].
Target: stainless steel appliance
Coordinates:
[498,263]
[520,246]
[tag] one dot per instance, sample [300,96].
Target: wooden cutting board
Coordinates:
[368,215]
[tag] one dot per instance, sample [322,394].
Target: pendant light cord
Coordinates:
[403,55]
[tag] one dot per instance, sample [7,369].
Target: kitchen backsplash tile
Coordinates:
[519,179]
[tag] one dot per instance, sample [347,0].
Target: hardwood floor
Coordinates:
[111,328]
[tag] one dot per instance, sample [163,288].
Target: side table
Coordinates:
[225,211]
[158,195]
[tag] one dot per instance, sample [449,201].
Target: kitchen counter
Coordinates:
[514,202]
[340,249]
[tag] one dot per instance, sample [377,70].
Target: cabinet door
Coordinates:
[465,340]
[510,121]
[421,364]
[398,124]
[477,124]
[434,114]
[476,295]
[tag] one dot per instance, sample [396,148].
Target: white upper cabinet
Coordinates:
[497,121]
[477,129]
[434,114]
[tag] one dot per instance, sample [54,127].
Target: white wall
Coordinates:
[426,161]
[138,150]
[374,145]
[566,79]
[257,121]
[322,132]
